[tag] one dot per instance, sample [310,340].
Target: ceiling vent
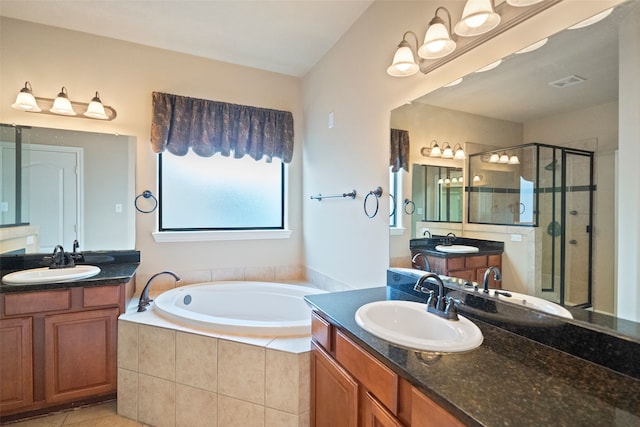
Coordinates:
[567,81]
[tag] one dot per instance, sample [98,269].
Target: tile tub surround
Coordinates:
[508,380]
[169,375]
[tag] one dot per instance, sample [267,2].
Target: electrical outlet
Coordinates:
[516,237]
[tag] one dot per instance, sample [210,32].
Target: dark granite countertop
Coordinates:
[508,381]
[116,267]
[428,246]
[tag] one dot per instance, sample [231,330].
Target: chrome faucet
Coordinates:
[144,296]
[440,305]
[427,267]
[496,276]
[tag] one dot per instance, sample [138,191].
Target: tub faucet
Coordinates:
[427,267]
[440,305]
[144,296]
[496,276]
[426,232]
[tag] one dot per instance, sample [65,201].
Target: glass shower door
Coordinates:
[577,218]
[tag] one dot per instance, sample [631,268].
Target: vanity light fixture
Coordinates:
[454,83]
[494,158]
[447,152]
[534,46]
[458,152]
[447,181]
[522,3]
[477,178]
[504,158]
[404,63]
[514,160]
[489,67]
[441,181]
[433,150]
[590,21]
[62,105]
[437,40]
[478,17]
[25,100]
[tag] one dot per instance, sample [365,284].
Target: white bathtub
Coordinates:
[244,308]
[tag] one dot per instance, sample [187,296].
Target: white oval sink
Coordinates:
[409,324]
[50,275]
[532,302]
[457,249]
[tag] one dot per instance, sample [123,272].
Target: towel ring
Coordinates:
[408,203]
[377,193]
[393,199]
[147,195]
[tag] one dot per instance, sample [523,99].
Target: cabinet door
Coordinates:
[376,415]
[427,413]
[16,364]
[334,394]
[80,354]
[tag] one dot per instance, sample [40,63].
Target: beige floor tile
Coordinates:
[55,420]
[108,421]
[91,413]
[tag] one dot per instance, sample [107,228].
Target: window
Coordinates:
[220,193]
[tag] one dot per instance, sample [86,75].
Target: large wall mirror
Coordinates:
[437,192]
[565,93]
[58,186]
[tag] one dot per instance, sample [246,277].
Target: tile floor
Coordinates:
[102,415]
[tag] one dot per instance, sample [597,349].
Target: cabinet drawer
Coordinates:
[467,275]
[34,302]
[321,331]
[495,260]
[377,378]
[476,261]
[425,412]
[455,263]
[101,295]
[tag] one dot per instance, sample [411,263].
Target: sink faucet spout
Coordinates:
[443,306]
[487,273]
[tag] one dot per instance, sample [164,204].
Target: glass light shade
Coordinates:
[95,110]
[437,42]
[489,67]
[476,178]
[441,181]
[447,181]
[514,160]
[590,21]
[478,18]
[453,83]
[504,158]
[447,153]
[459,154]
[522,3]
[62,105]
[435,151]
[404,63]
[494,158]
[534,46]
[25,101]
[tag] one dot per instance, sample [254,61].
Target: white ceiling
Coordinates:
[287,37]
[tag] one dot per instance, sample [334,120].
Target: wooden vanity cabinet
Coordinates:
[470,268]
[351,388]
[58,347]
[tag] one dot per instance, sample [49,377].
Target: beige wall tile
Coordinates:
[289,273]
[227,274]
[282,381]
[193,276]
[195,407]
[241,371]
[127,345]
[197,361]
[157,352]
[128,393]
[304,390]
[237,413]
[157,401]
[260,274]
[275,418]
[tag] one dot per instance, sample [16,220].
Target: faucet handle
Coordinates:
[451,310]
[431,300]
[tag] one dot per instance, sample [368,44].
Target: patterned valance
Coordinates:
[209,127]
[399,150]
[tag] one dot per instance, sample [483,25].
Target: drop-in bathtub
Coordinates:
[246,308]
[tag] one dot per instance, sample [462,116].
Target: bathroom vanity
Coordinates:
[359,379]
[466,266]
[58,341]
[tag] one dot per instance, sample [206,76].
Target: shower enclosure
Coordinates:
[551,189]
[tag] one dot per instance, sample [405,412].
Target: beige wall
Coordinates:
[126,74]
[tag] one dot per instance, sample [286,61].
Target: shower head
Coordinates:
[551,166]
